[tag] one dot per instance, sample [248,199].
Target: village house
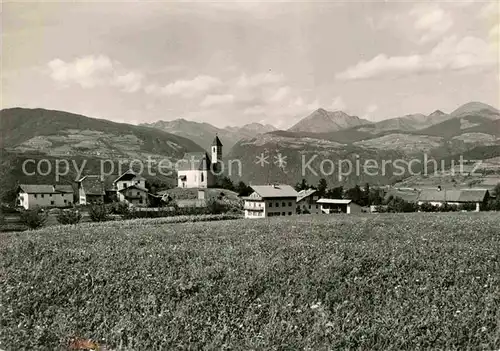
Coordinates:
[196,169]
[42,195]
[128,187]
[439,197]
[306,202]
[91,190]
[339,206]
[131,188]
[270,201]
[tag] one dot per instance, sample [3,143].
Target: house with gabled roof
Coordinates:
[198,169]
[270,201]
[306,201]
[44,195]
[438,197]
[91,190]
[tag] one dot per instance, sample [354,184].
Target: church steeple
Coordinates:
[216,150]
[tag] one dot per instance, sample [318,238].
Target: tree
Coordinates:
[98,213]
[366,195]
[71,216]
[243,190]
[10,196]
[335,193]
[496,191]
[34,218]
[322,186]
[225,183]
[376,197]
[302,185]
[355,194]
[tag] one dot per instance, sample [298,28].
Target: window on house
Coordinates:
[283,204]
[289,213]
[277,204]
[138,193]
[35,196]
[202,177]
[42,196]
[52,202]
[124,185]
[283,213]
[289,204]
[270,204]
[50,195]
[316,206]
[309,206]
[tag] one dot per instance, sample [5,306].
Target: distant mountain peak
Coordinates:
[321,121]
[437,113]
[474,107]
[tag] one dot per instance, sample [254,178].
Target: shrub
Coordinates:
[427,207]
[215,207]
[467,207]
[34,218]
[98,213]
[119,208]
[448,208]
[397,204]
[71,216]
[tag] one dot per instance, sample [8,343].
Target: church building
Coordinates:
[198,169]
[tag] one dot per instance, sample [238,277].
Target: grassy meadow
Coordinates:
[386,282]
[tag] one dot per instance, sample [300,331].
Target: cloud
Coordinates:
[495,31]
[258,80]
[88,71]
[95,70]
[451,53]
[213,100]
[370,109]
[130,82]
[431,20]
[338,104]
[186,88]
[280,94]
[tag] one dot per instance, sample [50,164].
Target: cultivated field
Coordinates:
[383,282]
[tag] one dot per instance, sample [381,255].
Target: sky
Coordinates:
[232,63]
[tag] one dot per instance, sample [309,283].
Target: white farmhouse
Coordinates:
[198,169]
[339,206]
[131,188]
[43,195]
[270,201]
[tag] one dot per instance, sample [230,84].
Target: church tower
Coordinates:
[216,151]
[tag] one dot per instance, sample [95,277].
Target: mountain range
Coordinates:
[203,133]
[472,129]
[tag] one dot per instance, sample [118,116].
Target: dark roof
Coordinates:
[128,175]
[64,188]
[134,186]
[37,188]
[216,141]
[466,195]
[46,188]
[408,195]
[92,185]
[194,161]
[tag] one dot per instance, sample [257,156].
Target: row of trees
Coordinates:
[365,197]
